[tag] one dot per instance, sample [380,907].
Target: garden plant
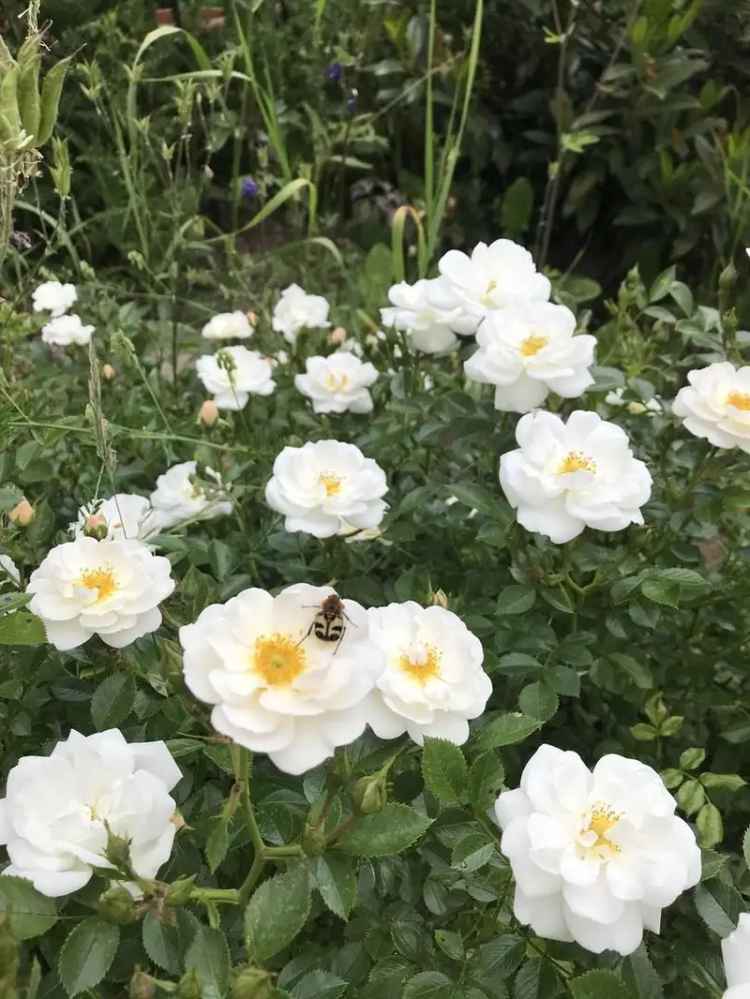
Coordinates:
[375,499]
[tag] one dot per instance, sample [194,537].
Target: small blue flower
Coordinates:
[249,187]
[334,71]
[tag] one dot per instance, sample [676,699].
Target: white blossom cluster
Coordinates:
[63,327]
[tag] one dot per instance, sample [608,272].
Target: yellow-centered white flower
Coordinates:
[233,374]
[716,405]
[277,687]
[498,276]
[433,680]
[595,855]
[528,351]
[54,297]
[296,310]
[735,950]
[568,476]
[62,331]
[108,588]
[337,383]
[59,810]
[228,326]
[429,328]
[326,488]
[183,494]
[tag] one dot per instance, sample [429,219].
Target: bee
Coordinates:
[328,624]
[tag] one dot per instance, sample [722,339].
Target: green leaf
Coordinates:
[428,985]
[217,842]
[599,985]
[472,852]
[506,730]
[319,985]
[691,759]
[643,732]
[336,883]
[517,206]
[724,782]
[112,701]
[166,944]
[477,497]
[690,796]
[450,943]
[516,599]
[662,285]
[444,770]
[87,955]
[639,974]
[638,671]
[486,776]
[538,701]
[384,833]
[719,906]
[208,956]
[499,958]
[746,847]
[277,912]
[710,827]
[22,628]
[535,980]
[29,913]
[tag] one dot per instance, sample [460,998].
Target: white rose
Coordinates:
[9,570]
[529,351]
[565,477]
[735,950]
[326,487]
[228,326]
[498,276]
[233,374]
[433,680]
[337,383]
[108,588]
[59,810]
[180,495]
[296,310]
[429,328]
[66,330]
[124,515]
[278,688]
[716,405]
[595,856]
[54,297]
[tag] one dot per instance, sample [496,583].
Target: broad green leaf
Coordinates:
[29,913]
[486,776]
[208,956]
[166,944]
[599,985]
[112,701]
[87,955]
[516,599]
[444,770]
[506,730]
[518,203]
[22,628]
[719,906]
[691,759]
[472,852]
[277,912]
[217,843]
[638,671]
[428,985]
[537,700]
[385,833]
[535,980]
[335,881]
[710,827]
[319,985]
[500,957]
[639,974]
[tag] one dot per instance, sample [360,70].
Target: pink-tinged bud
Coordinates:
[208,413]
[95,526]
[22,513]
[108,372]
[440,599]
[252,318]
[337,336]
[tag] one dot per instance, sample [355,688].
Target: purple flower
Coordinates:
[249,187]
[334,71]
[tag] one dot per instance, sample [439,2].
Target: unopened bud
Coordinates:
[636,408]
[108,372]
[118,851]
[727,282]
[252,983]
[177,821]
[179,892]
[337,336]
[142,986]
[189,986]
[314,840]
[440,599]
[22,513]
[252,318]
[208,414]
[370,794]
[117,905]
[95,526]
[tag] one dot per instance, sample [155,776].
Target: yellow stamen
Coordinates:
[740,400]
[102,580]
[422,667]
[278,659]
[337,383]
[332,483]
[576,461]
[533,344]
[602,819]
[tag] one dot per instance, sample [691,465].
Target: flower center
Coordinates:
[740,400]
[103,580]
[337,383]
[533,344]
[486,298]
[421,662]
[226,362]
[331,483]
[597,823]
[576,461]
[278,659]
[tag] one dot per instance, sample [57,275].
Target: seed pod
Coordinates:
[51,91]
[29,63]
[10,120]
